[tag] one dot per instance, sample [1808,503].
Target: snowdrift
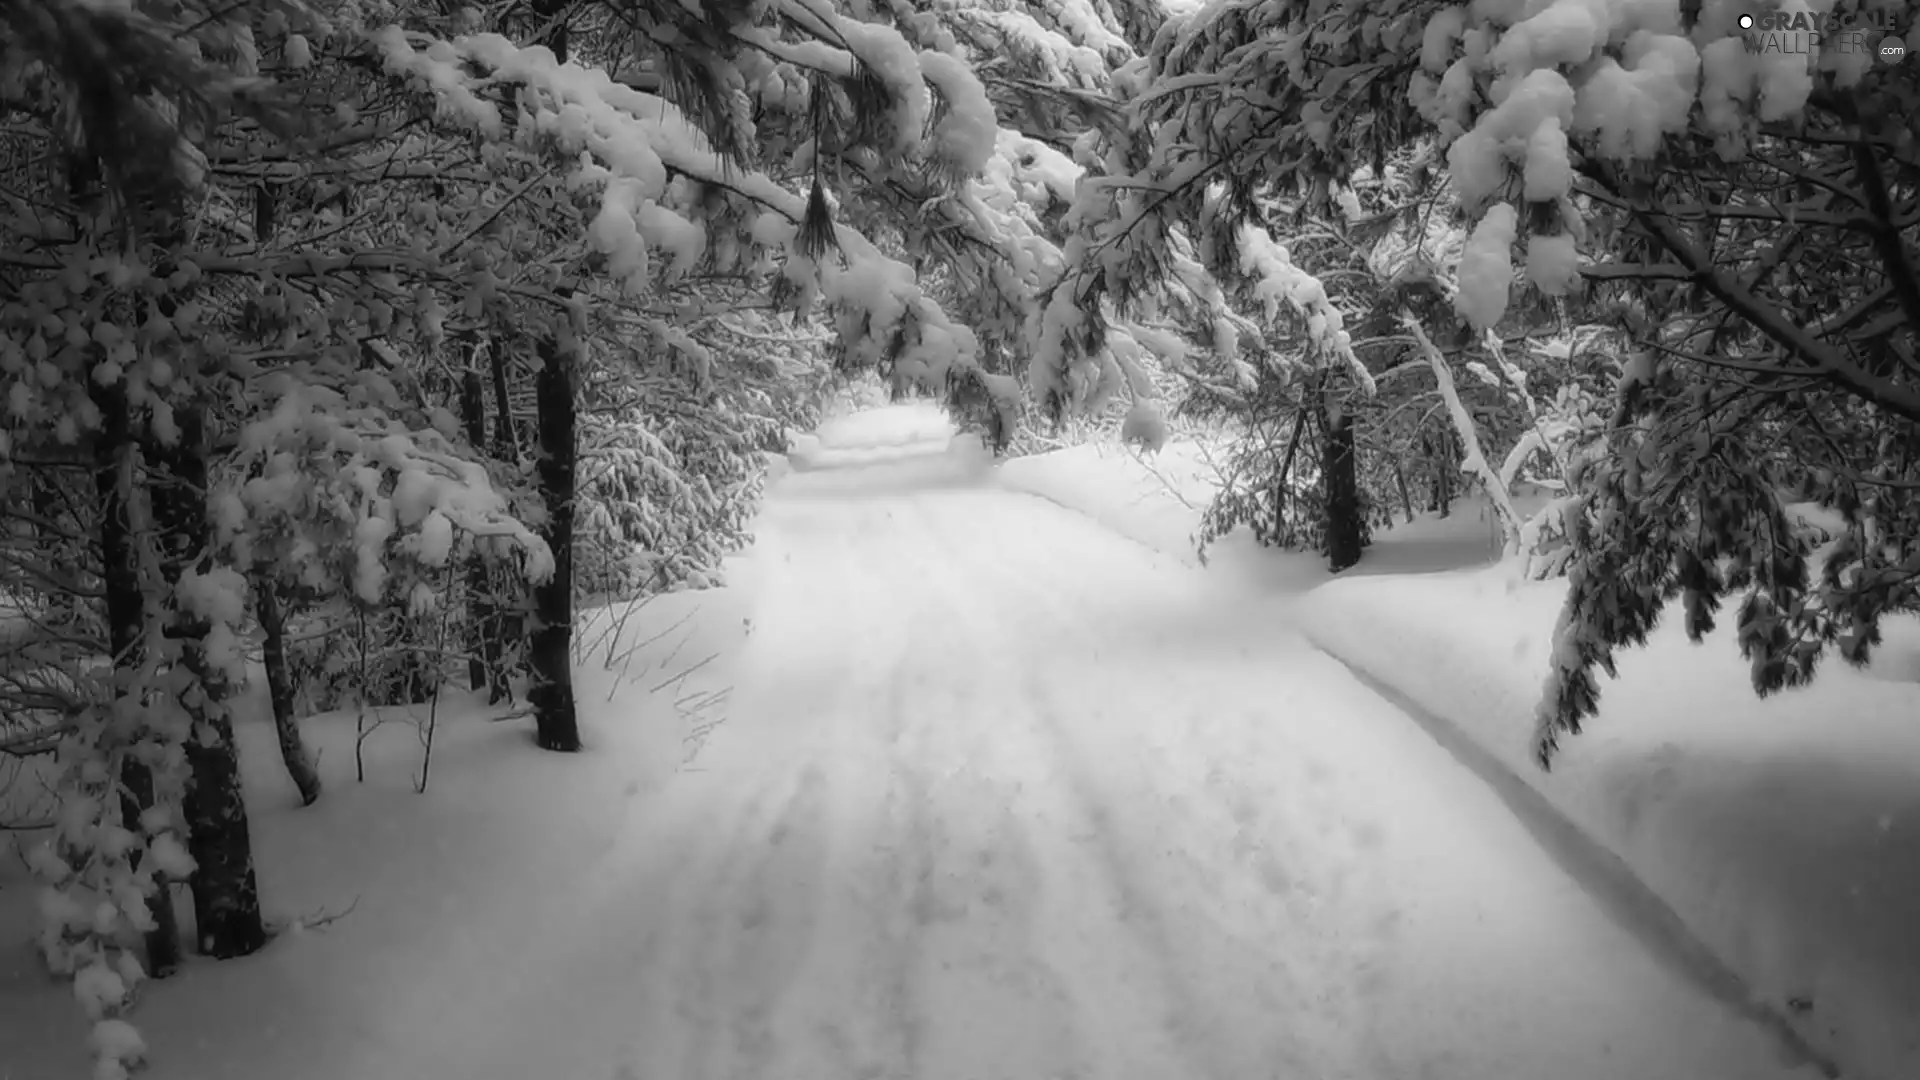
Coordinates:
[1784,832]
[1154,500]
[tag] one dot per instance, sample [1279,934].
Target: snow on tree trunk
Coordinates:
[226,896]
[550,646]
[126,623]
[273,651]
[1346,531]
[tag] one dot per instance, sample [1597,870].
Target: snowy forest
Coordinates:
[361,357]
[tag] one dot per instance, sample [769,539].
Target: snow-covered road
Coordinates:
[1006,796]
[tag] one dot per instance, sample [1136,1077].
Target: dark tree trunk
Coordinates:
[485,665]
[551,20]
[1440,460]
[266,203]
[126,618]
[226,896]
[1280,493]
[1346,531]
[114,451]
[551,646]
[1406,493]
[293,749]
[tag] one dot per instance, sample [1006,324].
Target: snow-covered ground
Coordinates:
[999,793]
[1781,836]
[419,909]
[1784,831]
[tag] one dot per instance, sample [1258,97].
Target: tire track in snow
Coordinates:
[1267,906]
[1200,952]
[871,1031]
[894,895]
[757,917]
[992,1005]
[1096,903]
[856,1020]
[1384,978]
[710,982]
[771,922]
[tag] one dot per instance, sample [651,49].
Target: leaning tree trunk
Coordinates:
[550,649]
[114,455]
[226,896]
[1346,531]
[1406,493]
[1280,497]
[273,652]
[273,619]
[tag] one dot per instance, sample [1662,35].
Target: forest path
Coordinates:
[1005,795]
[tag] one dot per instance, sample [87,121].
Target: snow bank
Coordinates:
[1785,832]
[806,454]
[1157,501]
[1154,500]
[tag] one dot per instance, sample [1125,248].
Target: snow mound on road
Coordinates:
[879,472]
[1154,500]
[869,437]
[1785,832]
[891,425]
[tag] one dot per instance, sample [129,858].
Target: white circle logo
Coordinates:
[1746,22]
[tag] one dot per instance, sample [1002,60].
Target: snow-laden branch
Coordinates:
[1277,280]
[630,144]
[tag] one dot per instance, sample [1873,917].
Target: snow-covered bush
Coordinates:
[363,521]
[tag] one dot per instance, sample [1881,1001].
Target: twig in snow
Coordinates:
[683,674]
[1141,457]
[698,730]
[326,919]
